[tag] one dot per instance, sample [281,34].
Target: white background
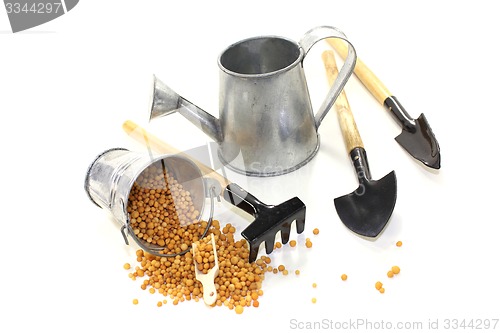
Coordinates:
[67,86]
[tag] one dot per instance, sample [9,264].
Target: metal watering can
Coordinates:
[266,125]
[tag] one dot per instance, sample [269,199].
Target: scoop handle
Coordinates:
[364,74]
[352,138]
[152,142]
[209,290]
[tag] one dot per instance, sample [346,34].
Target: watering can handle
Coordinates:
[312,37]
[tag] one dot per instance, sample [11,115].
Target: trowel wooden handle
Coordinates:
[347,123]
[364,74]
[149,140]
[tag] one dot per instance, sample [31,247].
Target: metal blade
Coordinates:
[367,210]
[419,141]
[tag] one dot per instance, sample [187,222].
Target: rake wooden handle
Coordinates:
[364,74]
[149,140]
[348,126]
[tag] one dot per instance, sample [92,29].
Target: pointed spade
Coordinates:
[416,137]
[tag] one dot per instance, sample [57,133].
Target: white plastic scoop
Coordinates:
[207,280]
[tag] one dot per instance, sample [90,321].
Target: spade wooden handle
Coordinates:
[348,126]
[364,74]
[152,142]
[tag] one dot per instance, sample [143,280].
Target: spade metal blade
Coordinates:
[421,143]
[416,137]
[367,210]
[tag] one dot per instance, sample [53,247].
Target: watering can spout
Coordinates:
[165,101]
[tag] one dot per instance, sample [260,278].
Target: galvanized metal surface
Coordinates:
[111,175]
[266,124]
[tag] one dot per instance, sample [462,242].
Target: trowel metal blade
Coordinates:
[367,210]
[421,143]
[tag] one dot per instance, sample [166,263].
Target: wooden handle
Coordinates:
[365,75]
[350,132]
[149,140]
